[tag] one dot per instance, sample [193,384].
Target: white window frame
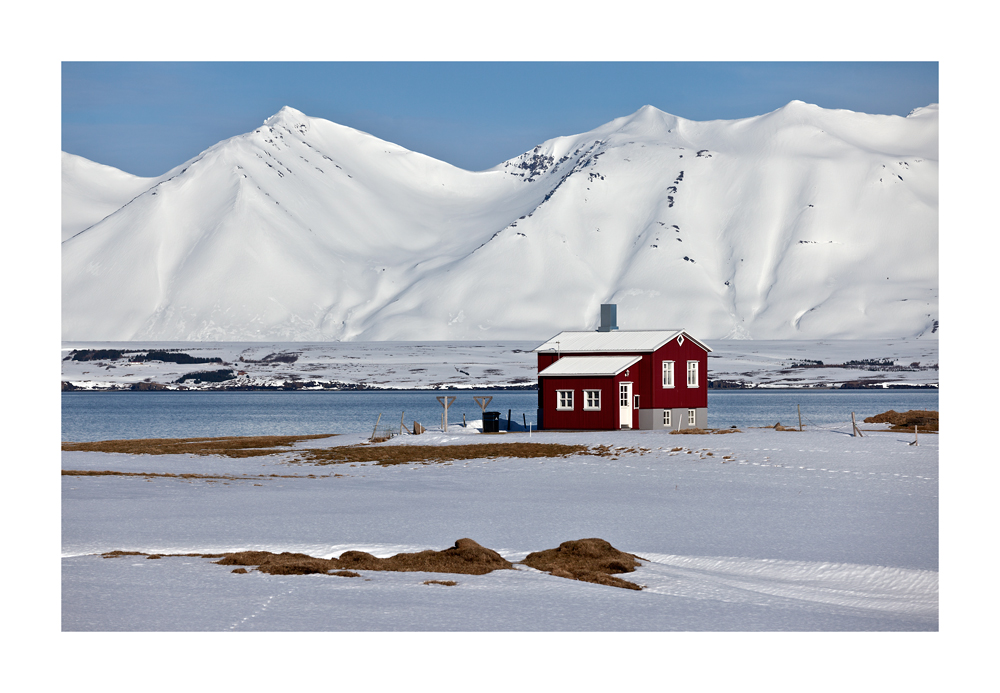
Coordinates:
[692,374]
[666,417]
[592,400]
[692,417]
[668,374]
[564,400]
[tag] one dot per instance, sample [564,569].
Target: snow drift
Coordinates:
[803,223]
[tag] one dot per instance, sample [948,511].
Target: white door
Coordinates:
[625,405]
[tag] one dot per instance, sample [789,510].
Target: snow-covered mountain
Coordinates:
[800,223]
[92,191]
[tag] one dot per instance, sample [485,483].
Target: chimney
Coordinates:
[609,317]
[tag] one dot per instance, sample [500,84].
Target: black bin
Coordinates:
[491,422]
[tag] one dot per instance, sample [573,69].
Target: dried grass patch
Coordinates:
[589,560]
[704,431]
[228,446]
[149,475]
[405,454]
[465,557]
[924,420]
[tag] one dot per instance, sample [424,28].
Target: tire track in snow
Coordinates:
[903,591]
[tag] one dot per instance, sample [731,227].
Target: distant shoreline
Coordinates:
[501,388]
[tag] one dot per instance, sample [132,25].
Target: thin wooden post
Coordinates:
[915,438]
[524,419]
[464,425]
[376,425]
[445,402]
[799,407]
[401,426]
[857,431]
[508,419]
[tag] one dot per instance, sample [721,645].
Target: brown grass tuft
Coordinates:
[925,420]
[446,583]
[589,560]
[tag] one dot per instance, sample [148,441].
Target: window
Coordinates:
[668,374]
[666,417]
[564,400]
[691,417]
[591,400]
[692,374]
[635,398]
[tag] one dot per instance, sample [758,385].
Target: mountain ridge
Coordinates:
[305,229]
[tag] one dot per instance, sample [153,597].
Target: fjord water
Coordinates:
[90,416]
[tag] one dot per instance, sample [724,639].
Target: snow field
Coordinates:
[811,530]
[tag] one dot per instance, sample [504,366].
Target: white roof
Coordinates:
[591,365]
[616,340]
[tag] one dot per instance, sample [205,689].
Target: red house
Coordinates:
[608,380]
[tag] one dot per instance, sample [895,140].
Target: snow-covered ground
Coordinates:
[761,530]
[428,364]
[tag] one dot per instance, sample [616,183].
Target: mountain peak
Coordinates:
[288,116]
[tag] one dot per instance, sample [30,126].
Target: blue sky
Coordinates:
[147,117]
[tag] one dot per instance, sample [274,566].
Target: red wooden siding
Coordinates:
[680,395]
[578,419]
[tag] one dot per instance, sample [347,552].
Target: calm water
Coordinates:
[90,416]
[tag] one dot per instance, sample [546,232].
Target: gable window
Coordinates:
[668,374]
[591,400]
[692,374]
[564,400]
[666,417]
[691,417]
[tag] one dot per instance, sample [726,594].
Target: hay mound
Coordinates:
[588,560]
[923,419]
